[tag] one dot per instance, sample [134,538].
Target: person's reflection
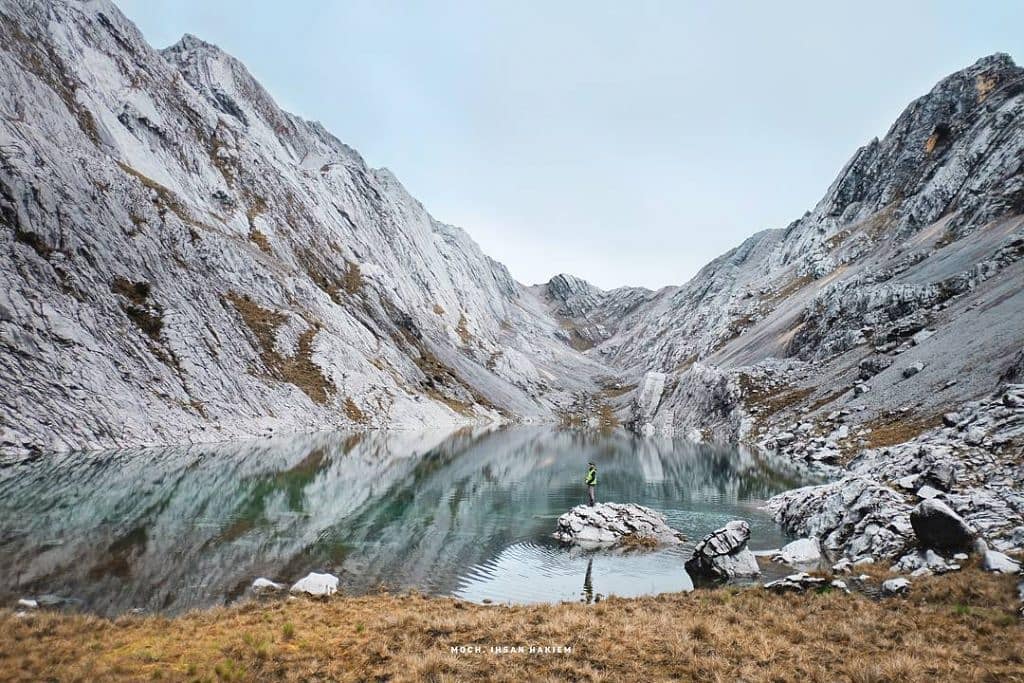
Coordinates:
[588,582]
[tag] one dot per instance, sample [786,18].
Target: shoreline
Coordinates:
[961,624]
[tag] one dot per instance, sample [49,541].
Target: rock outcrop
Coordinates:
[611,523]
[723,554]
[854,516]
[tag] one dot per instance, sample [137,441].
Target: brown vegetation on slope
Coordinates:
[298,369]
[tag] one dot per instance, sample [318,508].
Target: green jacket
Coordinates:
[591,479]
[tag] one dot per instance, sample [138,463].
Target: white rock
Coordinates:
[28,603]
[320,585]
[800,551]
[898,586]
[266,585]
[927,492]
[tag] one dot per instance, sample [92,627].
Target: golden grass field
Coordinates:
[961,627]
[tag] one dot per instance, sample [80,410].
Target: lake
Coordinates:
[467,514]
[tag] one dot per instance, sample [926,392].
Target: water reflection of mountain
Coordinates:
[174,528]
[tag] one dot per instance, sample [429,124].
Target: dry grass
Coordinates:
[165,200]
[638,542]
[463,330]
[958,627]
[298,369]
[770,400]
[352,280]
[261,241]
[353,412]
[984,84]
[894,429]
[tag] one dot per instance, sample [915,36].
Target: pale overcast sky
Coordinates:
[627,142]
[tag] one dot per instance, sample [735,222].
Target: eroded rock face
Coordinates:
[609,523]
[723,554]
[938,526]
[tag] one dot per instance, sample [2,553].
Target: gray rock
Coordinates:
[995,561]
[913,369]
[919,337]
[854,516]
[795,583]
[926,492]
[938,526]
[723,554]
[923,559]
[609,523]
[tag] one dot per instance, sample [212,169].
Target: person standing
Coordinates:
[591,481]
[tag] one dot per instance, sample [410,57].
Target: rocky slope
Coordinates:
[905,279]
[183,260]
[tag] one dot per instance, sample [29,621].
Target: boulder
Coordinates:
[800,551]
[795,583]
[899,586]
[28,603]
[938,526]
[723,554]
[609,523]
[318,585]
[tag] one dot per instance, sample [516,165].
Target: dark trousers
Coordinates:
[590,491]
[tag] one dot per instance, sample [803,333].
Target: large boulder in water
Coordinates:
[723,554]
[938,526]
[609,523]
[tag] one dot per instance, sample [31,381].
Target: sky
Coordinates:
[628,143]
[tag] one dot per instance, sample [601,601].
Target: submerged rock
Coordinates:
[319,585]
[938,526]
[723,554]
[609,523]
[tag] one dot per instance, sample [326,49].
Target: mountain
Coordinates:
[901,290]
[185,261]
